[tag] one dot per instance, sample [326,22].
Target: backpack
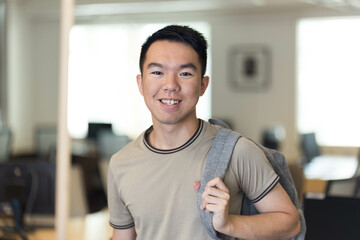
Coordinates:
[217,163]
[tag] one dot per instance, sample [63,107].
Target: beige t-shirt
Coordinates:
[153,189]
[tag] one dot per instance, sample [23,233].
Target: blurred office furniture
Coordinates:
[5,144]
[309,146]
[18,179]
[325,167]
[332,218]
[45,142]
[108,143]
[345,187]
[32,185]
[95,193]
[94,128]
[331,167]
[103,168]
[273,136]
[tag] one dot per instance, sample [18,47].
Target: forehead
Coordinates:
[166,51]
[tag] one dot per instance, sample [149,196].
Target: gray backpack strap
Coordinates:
[216,165]
[219,122]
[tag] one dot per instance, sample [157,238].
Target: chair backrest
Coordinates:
[5,144]
[45,141]
[357,173]
[273,136]
[345,187]
[309,146]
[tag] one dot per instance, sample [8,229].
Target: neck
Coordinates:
[170,136]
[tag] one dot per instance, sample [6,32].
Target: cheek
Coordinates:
[193,90]
[150,90]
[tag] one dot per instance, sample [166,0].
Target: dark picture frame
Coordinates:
[249,67]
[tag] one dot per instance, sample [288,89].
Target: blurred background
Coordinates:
[279,69]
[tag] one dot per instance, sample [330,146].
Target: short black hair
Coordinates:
[178,33]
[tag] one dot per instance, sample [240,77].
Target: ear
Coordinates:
[204,84]
[139,81]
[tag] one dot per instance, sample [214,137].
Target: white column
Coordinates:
[63,140]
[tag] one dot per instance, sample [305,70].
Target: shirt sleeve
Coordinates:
[255,174]
[120,217]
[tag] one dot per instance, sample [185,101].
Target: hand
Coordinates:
[216,199]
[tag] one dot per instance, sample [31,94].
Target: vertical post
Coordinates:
[63,140]
[3,65]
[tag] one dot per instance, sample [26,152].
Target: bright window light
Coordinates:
[103,65]
[329,80]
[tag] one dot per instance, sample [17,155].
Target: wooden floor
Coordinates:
[94,226]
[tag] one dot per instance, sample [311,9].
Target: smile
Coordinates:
[169,101]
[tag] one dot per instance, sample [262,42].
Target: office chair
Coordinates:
[5,144]
[273,136]
[45,142]
[347,187]
[309,146]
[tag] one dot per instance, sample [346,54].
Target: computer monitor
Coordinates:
[32,184]
[94,128]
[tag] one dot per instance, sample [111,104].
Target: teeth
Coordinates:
[170,102]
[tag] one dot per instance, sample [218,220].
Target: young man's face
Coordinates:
[171,82]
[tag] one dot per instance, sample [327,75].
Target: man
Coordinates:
[151,180]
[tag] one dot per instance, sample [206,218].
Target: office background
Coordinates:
[33,53]
[29,97]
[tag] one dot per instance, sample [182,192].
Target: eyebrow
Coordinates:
[187,65]
[150,65]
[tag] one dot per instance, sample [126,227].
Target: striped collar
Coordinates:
[174,150]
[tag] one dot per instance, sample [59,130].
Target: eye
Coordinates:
[156,73]
[185,74]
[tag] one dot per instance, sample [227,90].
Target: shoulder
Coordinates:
[247,148]
[247,155]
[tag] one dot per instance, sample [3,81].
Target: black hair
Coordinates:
[178,33]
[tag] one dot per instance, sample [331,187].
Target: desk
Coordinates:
[331,167]
[94,226]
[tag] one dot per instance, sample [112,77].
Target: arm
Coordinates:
[124,234]
[278,216]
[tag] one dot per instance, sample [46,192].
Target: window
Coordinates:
[103,65]
[329,80]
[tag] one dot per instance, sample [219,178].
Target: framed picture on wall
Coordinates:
[249,67]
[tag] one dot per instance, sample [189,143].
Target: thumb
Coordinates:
[196,185]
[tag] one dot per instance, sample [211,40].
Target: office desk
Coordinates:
[331,167]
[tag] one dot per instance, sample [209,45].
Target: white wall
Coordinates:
[20,102]
[32,73]
[251,111]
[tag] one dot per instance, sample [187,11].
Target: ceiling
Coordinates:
[125,7]
[97,7]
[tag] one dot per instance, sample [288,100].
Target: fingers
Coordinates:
[215,197]
[218,183]
[214,204]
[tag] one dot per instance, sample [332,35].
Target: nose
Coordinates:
[171,83]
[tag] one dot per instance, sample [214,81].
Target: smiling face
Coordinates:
[171,83]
